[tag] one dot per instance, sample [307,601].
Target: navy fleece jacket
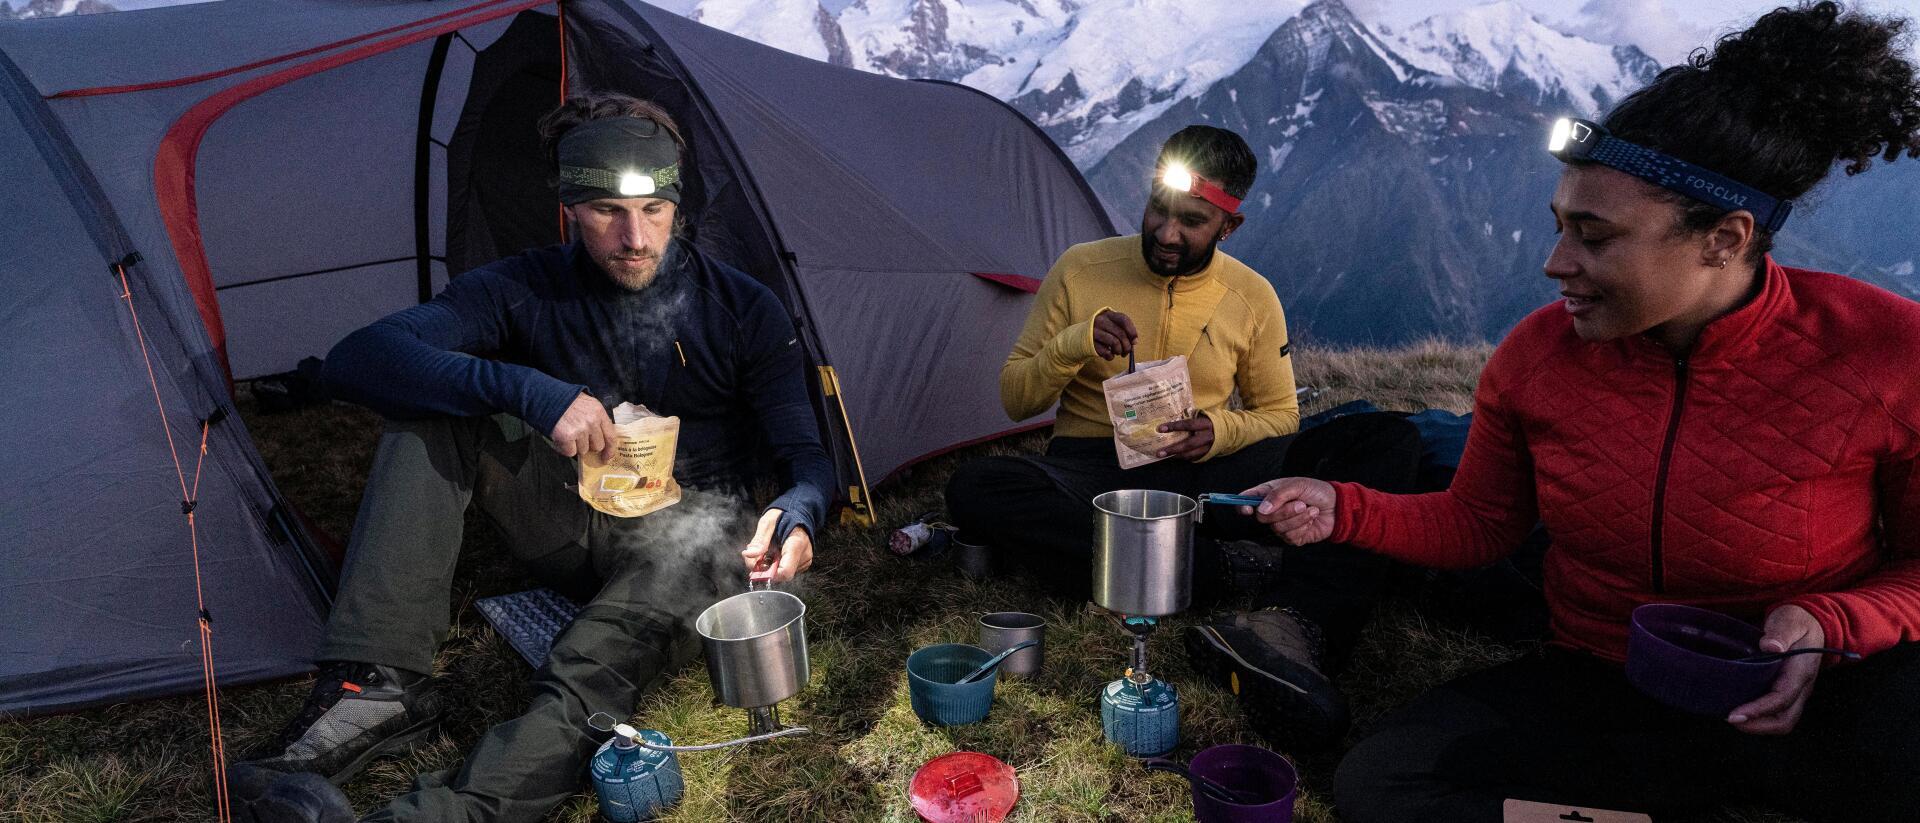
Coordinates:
[526,334]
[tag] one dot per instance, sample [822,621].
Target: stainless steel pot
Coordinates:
[756,647]
[1143,551]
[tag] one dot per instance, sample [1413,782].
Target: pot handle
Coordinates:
[1222,499]
[789,732]
[761,578]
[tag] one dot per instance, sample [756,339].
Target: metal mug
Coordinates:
[975,560]
[1000,631]
[756,646]
[1143,551]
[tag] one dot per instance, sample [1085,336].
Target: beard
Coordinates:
[635,270]
[1174,261]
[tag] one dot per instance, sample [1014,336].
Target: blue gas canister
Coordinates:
[1141,714]
[634,782]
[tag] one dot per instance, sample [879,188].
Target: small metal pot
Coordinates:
[756,646]
[1000,631]
[1143,551]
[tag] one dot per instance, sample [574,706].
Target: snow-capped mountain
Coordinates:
[1087,71]
[1123,62]
[1402,186]
[951,39]
[802,27]
[1503,47]
[51,8]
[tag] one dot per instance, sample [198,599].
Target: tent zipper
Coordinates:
[1656,539]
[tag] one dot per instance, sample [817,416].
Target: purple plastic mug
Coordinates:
[1252,771]
[1689,658]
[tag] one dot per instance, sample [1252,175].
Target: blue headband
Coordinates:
[1584,140]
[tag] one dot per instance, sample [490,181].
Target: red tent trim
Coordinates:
[1030,285]
[95,91]
[173,165]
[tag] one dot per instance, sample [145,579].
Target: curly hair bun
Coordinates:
[1840,83]
[1777,105]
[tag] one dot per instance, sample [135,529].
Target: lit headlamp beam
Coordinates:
[635,184]
[1562,129]
[1176,177]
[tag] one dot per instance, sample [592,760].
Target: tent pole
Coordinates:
[423,167]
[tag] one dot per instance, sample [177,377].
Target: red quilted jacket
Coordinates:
[1772,464]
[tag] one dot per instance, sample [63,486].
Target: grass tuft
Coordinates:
[867,610]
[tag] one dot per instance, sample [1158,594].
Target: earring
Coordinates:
[1721,263]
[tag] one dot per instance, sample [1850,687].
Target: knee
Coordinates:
[1361,791]
[973,490]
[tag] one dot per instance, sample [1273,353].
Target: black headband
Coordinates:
[618,157]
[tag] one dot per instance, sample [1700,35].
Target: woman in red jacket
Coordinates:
[1694,423]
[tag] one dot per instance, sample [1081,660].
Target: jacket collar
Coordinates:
[1185,283]
[1738,333]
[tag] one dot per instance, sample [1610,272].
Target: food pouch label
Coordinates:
[1156,393]
[639,479]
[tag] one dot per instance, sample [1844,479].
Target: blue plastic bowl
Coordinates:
[936,698]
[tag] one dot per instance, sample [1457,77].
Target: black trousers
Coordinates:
[1037,511]
[1561,727]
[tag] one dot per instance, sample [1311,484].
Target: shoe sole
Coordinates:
[1274,706]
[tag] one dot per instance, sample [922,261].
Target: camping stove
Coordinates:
[756,646]
[1142,571]
[1140,712]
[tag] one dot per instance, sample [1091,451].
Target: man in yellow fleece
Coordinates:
[1170,291]
[1167,291]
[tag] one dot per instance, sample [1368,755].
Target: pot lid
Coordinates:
[963,787]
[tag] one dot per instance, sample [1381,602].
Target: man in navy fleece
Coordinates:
[491,391]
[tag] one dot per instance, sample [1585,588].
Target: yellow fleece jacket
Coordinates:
[1225,318]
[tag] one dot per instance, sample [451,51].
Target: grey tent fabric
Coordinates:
[289,170]
[96,583]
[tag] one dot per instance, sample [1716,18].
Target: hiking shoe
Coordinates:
[300,797]
[357,712]
[1271,660]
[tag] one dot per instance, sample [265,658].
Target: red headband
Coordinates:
[1202,188]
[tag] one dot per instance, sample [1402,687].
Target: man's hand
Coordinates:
[584,429]
[1778,711]
[796,555]
[1198,442]
[1298,509]
[1113,335]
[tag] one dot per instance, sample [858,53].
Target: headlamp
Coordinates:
[631,183]
[634,184]
[1576,140]
[1176,177]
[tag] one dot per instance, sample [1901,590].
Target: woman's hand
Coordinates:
[1298,509]
[1778,711]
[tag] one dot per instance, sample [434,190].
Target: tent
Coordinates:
[208,193]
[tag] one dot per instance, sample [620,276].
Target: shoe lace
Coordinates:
[334,683]
[1310,632]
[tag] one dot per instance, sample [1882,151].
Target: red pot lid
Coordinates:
[964,787]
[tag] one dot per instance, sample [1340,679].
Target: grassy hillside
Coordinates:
[149,761]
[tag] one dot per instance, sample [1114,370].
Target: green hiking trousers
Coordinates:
[642,581]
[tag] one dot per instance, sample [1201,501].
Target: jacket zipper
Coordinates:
[1166,324]
[1660,476]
